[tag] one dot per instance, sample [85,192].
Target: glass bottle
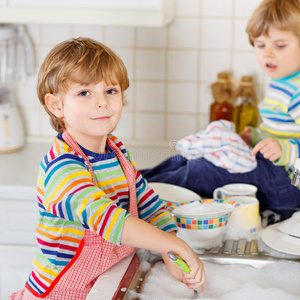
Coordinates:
[221,108]
[246,111]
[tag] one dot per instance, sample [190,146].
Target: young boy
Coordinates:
[95,208]
[274,31]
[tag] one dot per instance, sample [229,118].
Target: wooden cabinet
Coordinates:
[155,13]
[18,217]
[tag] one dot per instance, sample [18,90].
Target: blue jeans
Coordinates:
[275,191]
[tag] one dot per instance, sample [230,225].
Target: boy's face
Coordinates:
[278,53]
[91,112]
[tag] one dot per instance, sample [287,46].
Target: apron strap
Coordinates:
[126,166]
[70,141]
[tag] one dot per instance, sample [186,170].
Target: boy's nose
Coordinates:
[102,101]
[269,52]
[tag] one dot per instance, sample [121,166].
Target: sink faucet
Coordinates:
[296,174]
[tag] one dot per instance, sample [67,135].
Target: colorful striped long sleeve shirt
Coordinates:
[70,202]
[280,113]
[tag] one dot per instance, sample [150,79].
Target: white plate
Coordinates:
[280,241]
[173,193]
[291,226]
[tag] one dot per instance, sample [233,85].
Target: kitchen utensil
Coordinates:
[11,127]
[172,194]
[175,259]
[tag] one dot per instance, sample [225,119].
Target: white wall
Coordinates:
[170,68]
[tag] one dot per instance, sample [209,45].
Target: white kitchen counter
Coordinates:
[20,168]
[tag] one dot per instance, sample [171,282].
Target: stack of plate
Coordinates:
[284,236]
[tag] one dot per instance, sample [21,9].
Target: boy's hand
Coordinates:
[247,136]
[173,269]
[269,148]
[196,278]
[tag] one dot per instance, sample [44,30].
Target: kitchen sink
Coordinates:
[231,252]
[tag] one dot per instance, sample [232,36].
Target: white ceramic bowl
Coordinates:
[172,194]
[202,224]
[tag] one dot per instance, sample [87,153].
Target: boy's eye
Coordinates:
[281,46]
[111,91]
[84,93]
[259,45]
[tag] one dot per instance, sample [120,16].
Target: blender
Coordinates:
[12,38]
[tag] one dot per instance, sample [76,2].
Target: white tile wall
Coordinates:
[170,68]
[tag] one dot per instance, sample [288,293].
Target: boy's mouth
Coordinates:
[271,66]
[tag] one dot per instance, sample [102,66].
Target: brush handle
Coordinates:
[177,260]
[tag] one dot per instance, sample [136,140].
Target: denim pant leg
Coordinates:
[274,187]
[173,170]
[273,183]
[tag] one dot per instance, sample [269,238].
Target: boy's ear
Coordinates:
[54,104]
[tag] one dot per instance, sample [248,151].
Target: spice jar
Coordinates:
[246,110]
[222,107]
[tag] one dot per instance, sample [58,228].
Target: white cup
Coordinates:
[235,190]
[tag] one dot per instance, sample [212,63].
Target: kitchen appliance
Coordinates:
[12,38]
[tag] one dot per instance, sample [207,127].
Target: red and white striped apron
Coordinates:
[94,255]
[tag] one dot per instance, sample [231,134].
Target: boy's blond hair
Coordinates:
[282,14]
[80,60]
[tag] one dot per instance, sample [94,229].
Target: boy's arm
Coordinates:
[140,234]
[290,147]
[282,152]
[290,150]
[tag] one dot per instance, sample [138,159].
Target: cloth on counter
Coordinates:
[220,145]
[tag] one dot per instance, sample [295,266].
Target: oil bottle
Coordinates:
[222,107]
[245,111]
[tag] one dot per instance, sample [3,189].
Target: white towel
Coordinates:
[220,145]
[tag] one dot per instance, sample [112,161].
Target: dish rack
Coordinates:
[242,252]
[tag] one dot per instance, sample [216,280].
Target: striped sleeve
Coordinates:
[150,208]
[256,135]
[294,107]
[70,194]
[290,151]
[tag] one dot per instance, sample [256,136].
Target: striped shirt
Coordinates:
[280,113]
[69,202]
